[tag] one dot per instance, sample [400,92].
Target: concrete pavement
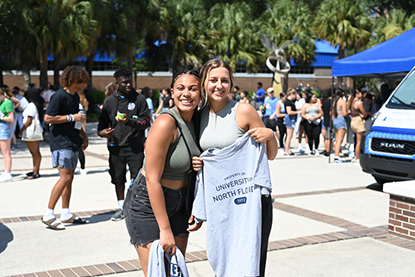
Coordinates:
[327,222]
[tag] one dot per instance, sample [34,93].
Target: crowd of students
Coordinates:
[299,112]
[22,117]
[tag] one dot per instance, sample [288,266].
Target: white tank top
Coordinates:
[219,130]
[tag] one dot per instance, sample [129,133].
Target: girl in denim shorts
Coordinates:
[6,117]
[155,206]
[339,123]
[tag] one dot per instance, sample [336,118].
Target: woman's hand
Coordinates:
[167,242]
[20,134]
[261,134]
[195,226]
[197,163]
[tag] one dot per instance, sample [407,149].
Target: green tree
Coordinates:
[383,7]
[12,42]
[57,26]
[391,25]
[344,23]
[183,28]
[288,20]
[233,35]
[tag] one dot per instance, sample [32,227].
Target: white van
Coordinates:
[388,148]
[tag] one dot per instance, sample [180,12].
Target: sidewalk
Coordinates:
[327,222]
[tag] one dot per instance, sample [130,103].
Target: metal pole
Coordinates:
[331,120]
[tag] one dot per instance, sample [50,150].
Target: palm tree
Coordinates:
[16,51]
[343,23]
[58,26]
[391,25]
[288,20]
[182,30]
[233,35]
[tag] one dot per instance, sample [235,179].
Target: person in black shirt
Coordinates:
[290,119]
[328,130]
[62,114]
[124,118]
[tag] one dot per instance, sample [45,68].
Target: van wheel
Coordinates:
[379,180]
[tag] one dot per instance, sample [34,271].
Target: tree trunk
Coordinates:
[285,88]
[56,68]
[26,77]
[341,56]
[43,78]
[130,60]
[89,67]
[1,68]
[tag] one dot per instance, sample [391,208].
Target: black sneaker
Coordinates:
[118,215]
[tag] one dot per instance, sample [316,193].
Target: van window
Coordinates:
[404,95]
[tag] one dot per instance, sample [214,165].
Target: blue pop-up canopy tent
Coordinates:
[390,59]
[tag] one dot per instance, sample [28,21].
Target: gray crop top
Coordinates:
[219,130]
[312,111]
[177,164]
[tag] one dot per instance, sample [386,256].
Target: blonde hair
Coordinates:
[109,89]
[291,91]
[204,74]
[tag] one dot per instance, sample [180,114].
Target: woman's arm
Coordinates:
[344,107]
[27,124]
[290,111]
[9,118]
[161,135]
[303,112]
[359,106]
[248,119]
[159,108]
[320,112]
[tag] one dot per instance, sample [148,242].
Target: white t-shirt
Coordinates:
[30,110]
[228,198]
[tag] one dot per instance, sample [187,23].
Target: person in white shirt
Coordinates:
[30,114]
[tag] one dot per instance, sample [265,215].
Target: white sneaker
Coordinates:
[82,171]
[6,177]
[317,153]
[354,160]
[307,149]
[338,160]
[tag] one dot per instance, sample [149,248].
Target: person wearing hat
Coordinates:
[270,120]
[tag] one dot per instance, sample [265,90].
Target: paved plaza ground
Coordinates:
[329,220]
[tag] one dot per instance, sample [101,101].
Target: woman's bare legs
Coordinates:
[290,132]
[5,150]
[358,141]
[339,139]
[33,147]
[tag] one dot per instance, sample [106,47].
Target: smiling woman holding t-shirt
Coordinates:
[223,122]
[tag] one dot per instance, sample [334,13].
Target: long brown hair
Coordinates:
[204,72]
[337,95]
[354,92]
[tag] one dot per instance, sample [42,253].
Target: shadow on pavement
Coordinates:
[94,219]
[375,186]
[6,236]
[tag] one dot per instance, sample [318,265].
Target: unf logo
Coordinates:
[175,270]
[392,145]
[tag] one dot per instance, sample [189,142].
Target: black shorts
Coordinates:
[119,158]
[140,220]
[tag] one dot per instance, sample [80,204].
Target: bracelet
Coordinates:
[72,117]
[273,135]
[67,118]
